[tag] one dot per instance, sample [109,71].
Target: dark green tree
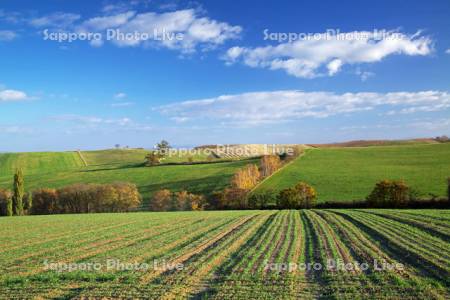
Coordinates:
[9,207]
[163,147]
[18,192]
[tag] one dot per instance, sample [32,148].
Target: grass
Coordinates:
[346,174]
[54,170]
[133,157]
[341,174]
[39,162]
[229,254]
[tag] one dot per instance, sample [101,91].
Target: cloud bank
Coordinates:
[326,54]
[280,106]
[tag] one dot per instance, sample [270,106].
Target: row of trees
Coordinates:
[237,196]
[87,198]
[77,198]
[165,200]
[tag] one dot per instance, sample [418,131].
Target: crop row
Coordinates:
[240,254]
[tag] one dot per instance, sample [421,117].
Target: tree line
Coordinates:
[237,195]
[76,198]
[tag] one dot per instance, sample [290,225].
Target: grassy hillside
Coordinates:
[228,255]
[369,143]
[350,173]
[55,170]
[114,157]
[133,157]
[38,162]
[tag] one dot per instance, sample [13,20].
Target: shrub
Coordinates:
[269,164]
[231,198]
[153,158]
[182,201]
[216,200]
[128,197]
[198,202]
[300,196]
[261,200]
[388,193]
[6,208]
[162,200]
[245,178]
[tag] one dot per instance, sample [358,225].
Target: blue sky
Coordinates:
[221,72]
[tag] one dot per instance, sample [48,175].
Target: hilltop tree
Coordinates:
[163,147]
[18,192]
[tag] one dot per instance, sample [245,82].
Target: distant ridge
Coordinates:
[369,143]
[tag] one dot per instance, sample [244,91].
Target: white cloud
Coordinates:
[280,106]
[309,58]
[7,35]
[334,66]
[447,51]
[12,95]
[160,29]
[124,6]
[57,20]
[92,120]
[120,95]
[102,23]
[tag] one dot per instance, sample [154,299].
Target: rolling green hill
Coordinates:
[337,173]
[350,173]
[39,162]
[114,157]
[133,157]
[57,169]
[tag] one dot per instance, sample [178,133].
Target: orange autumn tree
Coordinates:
[269,164]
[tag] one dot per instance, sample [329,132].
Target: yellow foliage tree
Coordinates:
[246,178]
[269,164]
